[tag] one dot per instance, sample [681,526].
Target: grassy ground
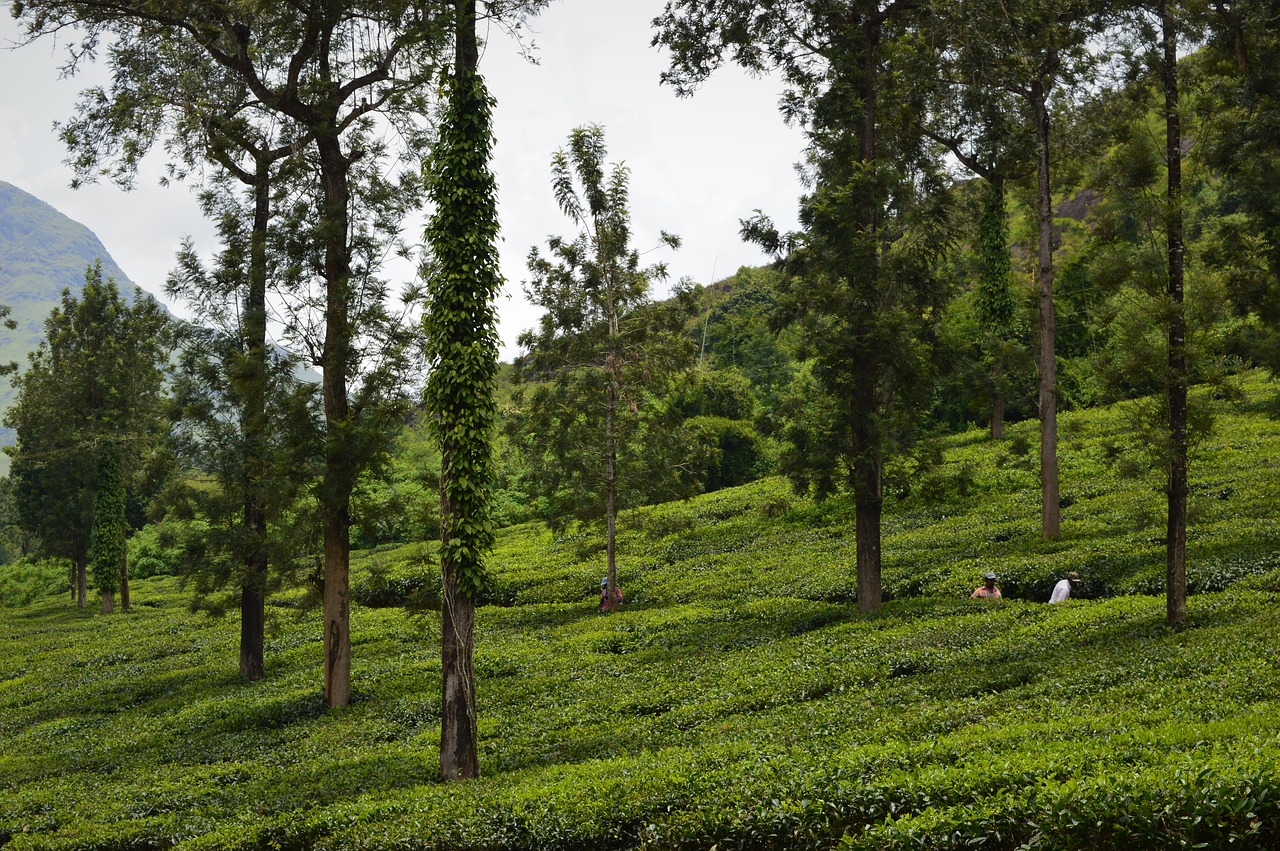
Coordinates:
[738,700]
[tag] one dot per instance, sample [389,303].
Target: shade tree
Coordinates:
[860,282]
[591,427]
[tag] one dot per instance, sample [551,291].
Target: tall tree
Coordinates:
[1030,49]
[1176,382]
[170,89]
[599,345]
[862,282]
[93,386]
[327,68]
[462,348]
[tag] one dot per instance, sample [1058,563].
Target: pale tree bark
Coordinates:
[1176,538]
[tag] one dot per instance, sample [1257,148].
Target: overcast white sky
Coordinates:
[698,165]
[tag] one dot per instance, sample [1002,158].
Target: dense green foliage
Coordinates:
[107,549]
[41,253]
[737,699]
[93,386]
[460,325]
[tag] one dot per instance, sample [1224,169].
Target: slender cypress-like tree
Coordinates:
[599,346]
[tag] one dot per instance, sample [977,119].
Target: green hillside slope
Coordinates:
[41,253]
[738,700]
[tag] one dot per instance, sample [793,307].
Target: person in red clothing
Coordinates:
[987,590]
[604,594]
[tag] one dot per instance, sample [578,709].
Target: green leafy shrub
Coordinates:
[24,582]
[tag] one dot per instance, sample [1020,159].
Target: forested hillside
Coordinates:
[762,562]
[737,698]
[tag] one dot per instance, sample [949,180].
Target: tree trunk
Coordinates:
[108,602]
[458,724]
[1049,506]
[335,493]
[125,605]
[867,507]
[253,428]
[337,626]
[610,495]
[458,716]
[867,490]
[1176,539]
[82,583]
[997,409]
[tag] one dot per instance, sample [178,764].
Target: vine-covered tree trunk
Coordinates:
[1049,505]
[1176,539]
[460,325]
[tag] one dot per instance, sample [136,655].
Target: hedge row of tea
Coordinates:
[737,701]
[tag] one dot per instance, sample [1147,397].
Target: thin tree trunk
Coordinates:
[125,605]
[82,583]
[335,496]
[1049,506]
[459,735]
[867,492]
[997,412]
[1176,539]
[253,426]
[867,508]
[610,502]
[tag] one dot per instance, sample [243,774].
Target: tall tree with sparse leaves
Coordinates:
[600,348]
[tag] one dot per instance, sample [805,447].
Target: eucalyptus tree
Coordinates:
[861,279]
[328,69]
[601,347]
[93,387]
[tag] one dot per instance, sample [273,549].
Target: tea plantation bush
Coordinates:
[738,700]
